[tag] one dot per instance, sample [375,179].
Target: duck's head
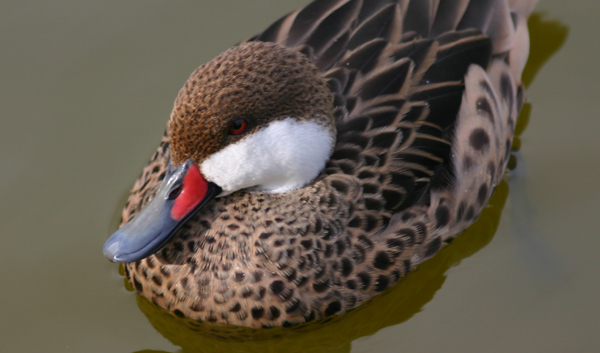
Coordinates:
[259,117]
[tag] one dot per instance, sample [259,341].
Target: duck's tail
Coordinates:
[486,120]
[482,137]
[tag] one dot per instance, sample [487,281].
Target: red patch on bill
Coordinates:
[193,191]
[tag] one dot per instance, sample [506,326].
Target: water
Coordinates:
[86,91]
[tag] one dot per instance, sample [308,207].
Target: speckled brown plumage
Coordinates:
[424,97]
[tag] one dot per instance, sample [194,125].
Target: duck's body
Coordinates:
[411,106]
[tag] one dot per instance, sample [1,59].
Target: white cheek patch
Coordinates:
[283,156]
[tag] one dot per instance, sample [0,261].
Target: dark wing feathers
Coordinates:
[477,15]
[309,18]
[333,26]
[372,6]
[332,52]
[448,15]
[385,24]
[443,100]
[418,18]
[391,80]
[456,54]
[396,71]
[365,57]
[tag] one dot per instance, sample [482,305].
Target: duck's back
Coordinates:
[426,97]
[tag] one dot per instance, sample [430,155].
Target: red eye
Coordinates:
[238,126]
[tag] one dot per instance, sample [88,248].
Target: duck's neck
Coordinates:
[285,155]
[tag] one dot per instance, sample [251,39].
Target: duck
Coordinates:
[309,168]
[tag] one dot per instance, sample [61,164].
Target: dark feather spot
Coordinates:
[433,247]
[291,276]
[407,266]
[277,287]
[406,216]
[421,229]
[257,276]
[257,313]
[192,247]
[442,216]
[382,261]
[261,293]
[395,244]
[246,292]
[311,316]
[341,247]
[479,139]
[274,312]
[467,163]
[461,211]
[292,306]
[320,287]
[239,276]
[307,244]
[355,222]
[370,188]
[339,186]
[137,284]
[346,153]
[482,194]
[365,280]
[370,160]
[470,213]
[373,204]
[382,283]
[265,235]
[506,89]
[333,308]
[365,174]
[301,281]
[347,267]
[507,149]
[157,280]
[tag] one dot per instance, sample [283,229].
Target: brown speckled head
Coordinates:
[259,82]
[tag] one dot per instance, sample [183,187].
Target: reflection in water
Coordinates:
[546,37]
[394,306]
